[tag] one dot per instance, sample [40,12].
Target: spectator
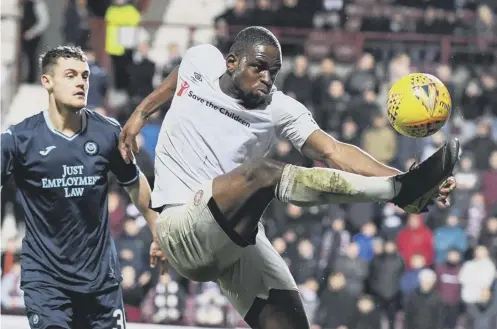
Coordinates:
[409,281]
[98,86]
[424,309]
[354,269]
[483,314]
[449,287]
[310,298]
[325,77]
[486,25]
[331,246]
[10,254]
[237,15]
[297,84]
[363,77]
[331,108]
[350,132]
[476,275]
[489,238]
[468,182]
[262,14]
[362,110]
[489,182]
[380,141]
[367,315]
[131,249]
[141,72]
[476,215]
[280,246]
[364,240]
[76,28]
[337,306]
[34,22]
[133,292]
[392,221]
[12,295]
[416,238]
[444,73]
[294,13]
[121,19]
[481,145]
[451,236]
[305,266]
[384,281]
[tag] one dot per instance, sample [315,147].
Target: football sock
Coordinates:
[314,186]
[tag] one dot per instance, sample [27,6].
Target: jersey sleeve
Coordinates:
[201,64]
[292,120]
[126,173]
[8,154]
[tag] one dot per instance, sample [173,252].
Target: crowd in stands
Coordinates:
[358,265]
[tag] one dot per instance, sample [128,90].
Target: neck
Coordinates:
[63,119]
[227,86]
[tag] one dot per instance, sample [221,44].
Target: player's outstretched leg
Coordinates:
[241,196]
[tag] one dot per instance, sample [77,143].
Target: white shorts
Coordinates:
[200,250]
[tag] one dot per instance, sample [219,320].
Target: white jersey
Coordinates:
[206,133]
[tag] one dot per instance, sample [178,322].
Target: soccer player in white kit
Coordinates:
[213,181]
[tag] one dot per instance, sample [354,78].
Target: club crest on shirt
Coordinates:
[91,148]
[35,320]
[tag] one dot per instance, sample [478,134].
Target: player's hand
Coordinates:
[157,256]
[444,191]
[127,138]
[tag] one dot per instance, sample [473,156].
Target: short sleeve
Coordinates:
[126,173]
[201,64]
[292,120]
[8,154]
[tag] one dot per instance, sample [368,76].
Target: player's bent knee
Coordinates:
[267,172]
[282,310]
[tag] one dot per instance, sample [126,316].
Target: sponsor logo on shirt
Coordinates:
[219,109]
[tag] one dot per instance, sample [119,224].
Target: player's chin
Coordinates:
[255,99]
[78,105]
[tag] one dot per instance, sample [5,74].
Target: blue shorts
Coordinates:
[49,306]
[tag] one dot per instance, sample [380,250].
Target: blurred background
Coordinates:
[362,266]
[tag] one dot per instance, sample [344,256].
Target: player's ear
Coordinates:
[231,63]
[46,82]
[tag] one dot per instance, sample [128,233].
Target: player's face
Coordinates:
[68,82]
[256,72]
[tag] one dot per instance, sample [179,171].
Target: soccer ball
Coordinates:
[419,105]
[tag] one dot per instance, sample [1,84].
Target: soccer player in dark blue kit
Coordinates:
[60,159]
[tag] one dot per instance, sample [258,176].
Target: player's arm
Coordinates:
[320,146]
[135,183]
[8,155]
[140,193]
[137,120]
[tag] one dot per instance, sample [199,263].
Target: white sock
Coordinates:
[314,186]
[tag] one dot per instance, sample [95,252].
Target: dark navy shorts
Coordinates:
[49,306]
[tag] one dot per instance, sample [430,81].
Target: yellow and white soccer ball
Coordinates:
[419,105]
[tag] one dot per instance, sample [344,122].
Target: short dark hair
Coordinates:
[49,58]
[253,36]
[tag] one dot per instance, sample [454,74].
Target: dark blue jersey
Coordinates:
[62,186]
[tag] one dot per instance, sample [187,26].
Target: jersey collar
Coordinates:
[84,120]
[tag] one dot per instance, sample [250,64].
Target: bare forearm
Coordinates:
[161,95]
[140,196]
[352,159]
